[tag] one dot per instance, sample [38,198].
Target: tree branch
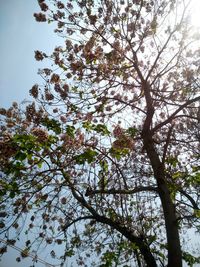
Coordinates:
[192,201]
[77,220]
[90,192]
[174,114]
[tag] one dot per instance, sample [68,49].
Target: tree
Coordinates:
[105,160]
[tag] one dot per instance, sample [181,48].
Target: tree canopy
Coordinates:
[103,165]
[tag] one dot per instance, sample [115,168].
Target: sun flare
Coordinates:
[195,13]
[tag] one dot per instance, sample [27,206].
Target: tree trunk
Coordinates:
[148,257]
[173,240]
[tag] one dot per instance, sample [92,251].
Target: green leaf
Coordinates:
[73,108]
[87,125]
[118,153]
[74,89]
[101,128]
[132,131]
[172,161]
[177,175]
[12,194]
[69,253]
[63,67]
[88,156]
[194,179]
[70,130]
[108,258]
[104,165]
[20,156]
[197,213]
[40,164]
[190,259]
[52,124]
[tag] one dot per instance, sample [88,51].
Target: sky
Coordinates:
[20,35]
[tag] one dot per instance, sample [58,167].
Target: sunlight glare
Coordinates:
[195,13]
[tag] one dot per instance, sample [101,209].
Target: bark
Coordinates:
[173,240]
[148,257]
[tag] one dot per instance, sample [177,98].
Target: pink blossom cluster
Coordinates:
[118,131]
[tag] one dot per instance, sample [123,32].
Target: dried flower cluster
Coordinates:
[40,17]
[41,134]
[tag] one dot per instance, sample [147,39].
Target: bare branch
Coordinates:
[90,192]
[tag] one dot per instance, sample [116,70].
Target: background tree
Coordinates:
[105,161]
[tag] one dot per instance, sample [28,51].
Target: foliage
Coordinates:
[105,160]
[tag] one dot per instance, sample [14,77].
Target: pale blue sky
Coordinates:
[20,35]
